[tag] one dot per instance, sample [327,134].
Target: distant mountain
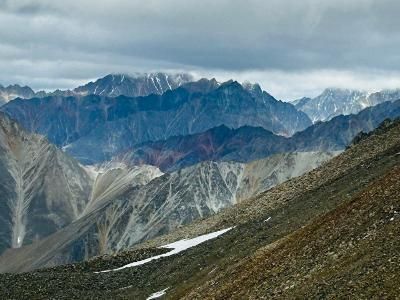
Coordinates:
[334,102]
[95,128]
[138,213]
[249,143]
[339,132]
[111,85]
[114,85]
[15,91]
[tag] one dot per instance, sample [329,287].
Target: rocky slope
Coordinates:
[42,189]
[118,221]
[95,128]
[330,233]
[334,102]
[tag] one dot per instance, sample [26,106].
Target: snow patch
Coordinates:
[64,148]
[176,247]
[157,294]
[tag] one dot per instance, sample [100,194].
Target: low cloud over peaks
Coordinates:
[78,40]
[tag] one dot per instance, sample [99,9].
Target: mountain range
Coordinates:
[330,103]
[249,143]
[335,102]
[95,128]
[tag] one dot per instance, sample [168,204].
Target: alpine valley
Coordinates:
[142,186]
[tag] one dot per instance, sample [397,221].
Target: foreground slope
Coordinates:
[351,252]
[331,233]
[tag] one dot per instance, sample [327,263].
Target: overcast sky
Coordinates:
[292,48]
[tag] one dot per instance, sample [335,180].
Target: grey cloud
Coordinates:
[75,39]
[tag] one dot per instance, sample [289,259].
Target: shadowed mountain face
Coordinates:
[134,214]
[334,102]
[217,144]
[95,128]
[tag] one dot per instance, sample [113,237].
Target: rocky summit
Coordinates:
[114,85]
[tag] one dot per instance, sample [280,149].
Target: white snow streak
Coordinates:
[166,79]
[157,294]
[176,247]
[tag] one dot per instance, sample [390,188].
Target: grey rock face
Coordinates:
[164,204]
[42,189]
[334,102]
